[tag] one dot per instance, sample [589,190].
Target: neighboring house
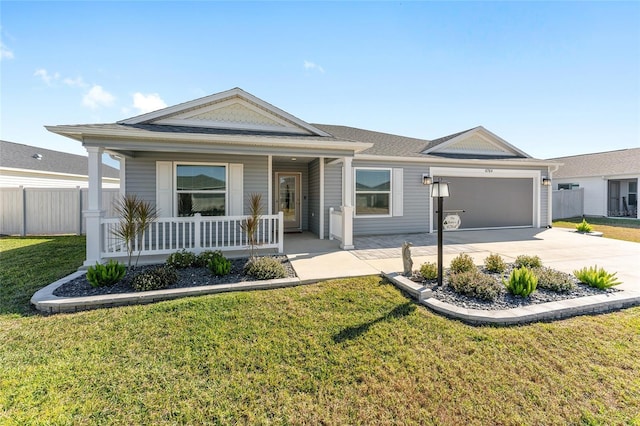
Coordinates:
[34,167]
[207,155]
[609,181]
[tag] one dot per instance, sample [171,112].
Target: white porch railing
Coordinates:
[195,233]
[335,224]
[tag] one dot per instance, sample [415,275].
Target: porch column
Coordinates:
[347,204]
[321,217]
[93,214]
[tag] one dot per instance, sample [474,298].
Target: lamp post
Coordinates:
[439,190]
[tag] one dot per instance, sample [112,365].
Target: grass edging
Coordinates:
[45,301]
[549,311]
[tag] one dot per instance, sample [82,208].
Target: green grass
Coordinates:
[340,352]
[619,229]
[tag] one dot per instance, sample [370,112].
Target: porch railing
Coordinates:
[195,233]
[335,223]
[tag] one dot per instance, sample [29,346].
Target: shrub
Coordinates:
[203,259]
[181,259]
[494,263]
[554,280]
[596,277]
[528,261]
[155,279]
[265,268]
[104,275]
[219,265]
[429,271]
[584,226]
[476,284]
[462,263]
[521,282]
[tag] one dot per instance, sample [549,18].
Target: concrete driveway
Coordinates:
[558,248]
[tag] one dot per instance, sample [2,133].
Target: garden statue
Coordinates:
[406,258]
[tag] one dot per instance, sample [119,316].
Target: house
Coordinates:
[609,181]
[198,161]
[34,167]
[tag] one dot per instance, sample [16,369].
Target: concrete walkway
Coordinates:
[558,248]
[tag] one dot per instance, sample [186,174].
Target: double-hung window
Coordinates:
[373,192]
[201,188]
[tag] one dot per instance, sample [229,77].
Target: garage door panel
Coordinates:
[491,202]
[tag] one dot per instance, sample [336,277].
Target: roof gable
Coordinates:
[472,143]
[232,109]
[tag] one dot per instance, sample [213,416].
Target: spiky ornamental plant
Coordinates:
[135,216]
[251,224]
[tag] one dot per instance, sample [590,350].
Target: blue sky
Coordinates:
[552,78]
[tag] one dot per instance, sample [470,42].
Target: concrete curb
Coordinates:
[522,315]
[45,301]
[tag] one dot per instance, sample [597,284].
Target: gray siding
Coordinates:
[415,216]
[314,196]
[141,172]
[332,191]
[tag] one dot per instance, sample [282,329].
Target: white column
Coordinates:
[123,171]
[322,214]
[94,213]
[347,204]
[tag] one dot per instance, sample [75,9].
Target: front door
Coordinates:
[288,200]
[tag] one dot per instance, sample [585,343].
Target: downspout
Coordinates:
[551,170]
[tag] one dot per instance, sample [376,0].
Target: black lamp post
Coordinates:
[439,190]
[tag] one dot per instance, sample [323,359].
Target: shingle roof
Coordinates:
[20,156]
[384,143]
[610,163]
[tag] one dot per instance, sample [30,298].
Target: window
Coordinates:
[201,189]
[568,186]
[373,192]
[633,193]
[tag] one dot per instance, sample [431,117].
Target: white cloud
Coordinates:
[5,52]
[97,97]
[308,65]
[75,82]
[45,76]
[147,103]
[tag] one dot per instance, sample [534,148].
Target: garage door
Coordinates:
[490,202]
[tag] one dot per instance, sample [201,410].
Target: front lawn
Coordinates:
[619,229]
[338,352]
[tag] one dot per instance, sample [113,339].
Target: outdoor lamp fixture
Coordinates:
[546,181]
[440,190]
[426,179]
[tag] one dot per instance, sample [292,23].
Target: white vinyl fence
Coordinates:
[48,211]
[568,203]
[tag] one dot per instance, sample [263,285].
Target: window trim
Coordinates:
[196,163]
[356,192]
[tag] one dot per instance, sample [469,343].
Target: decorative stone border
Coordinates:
[522,315]
[45,301]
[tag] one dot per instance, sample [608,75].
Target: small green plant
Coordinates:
[105,275]
[596,277]
[265,268]
[429,271]
[219,265]
[521,282]
[476,284]
[584,227]
[494,263]
[528,261]
[155,279]
[554,280]
[181,259]
[462,263]
[203,259]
